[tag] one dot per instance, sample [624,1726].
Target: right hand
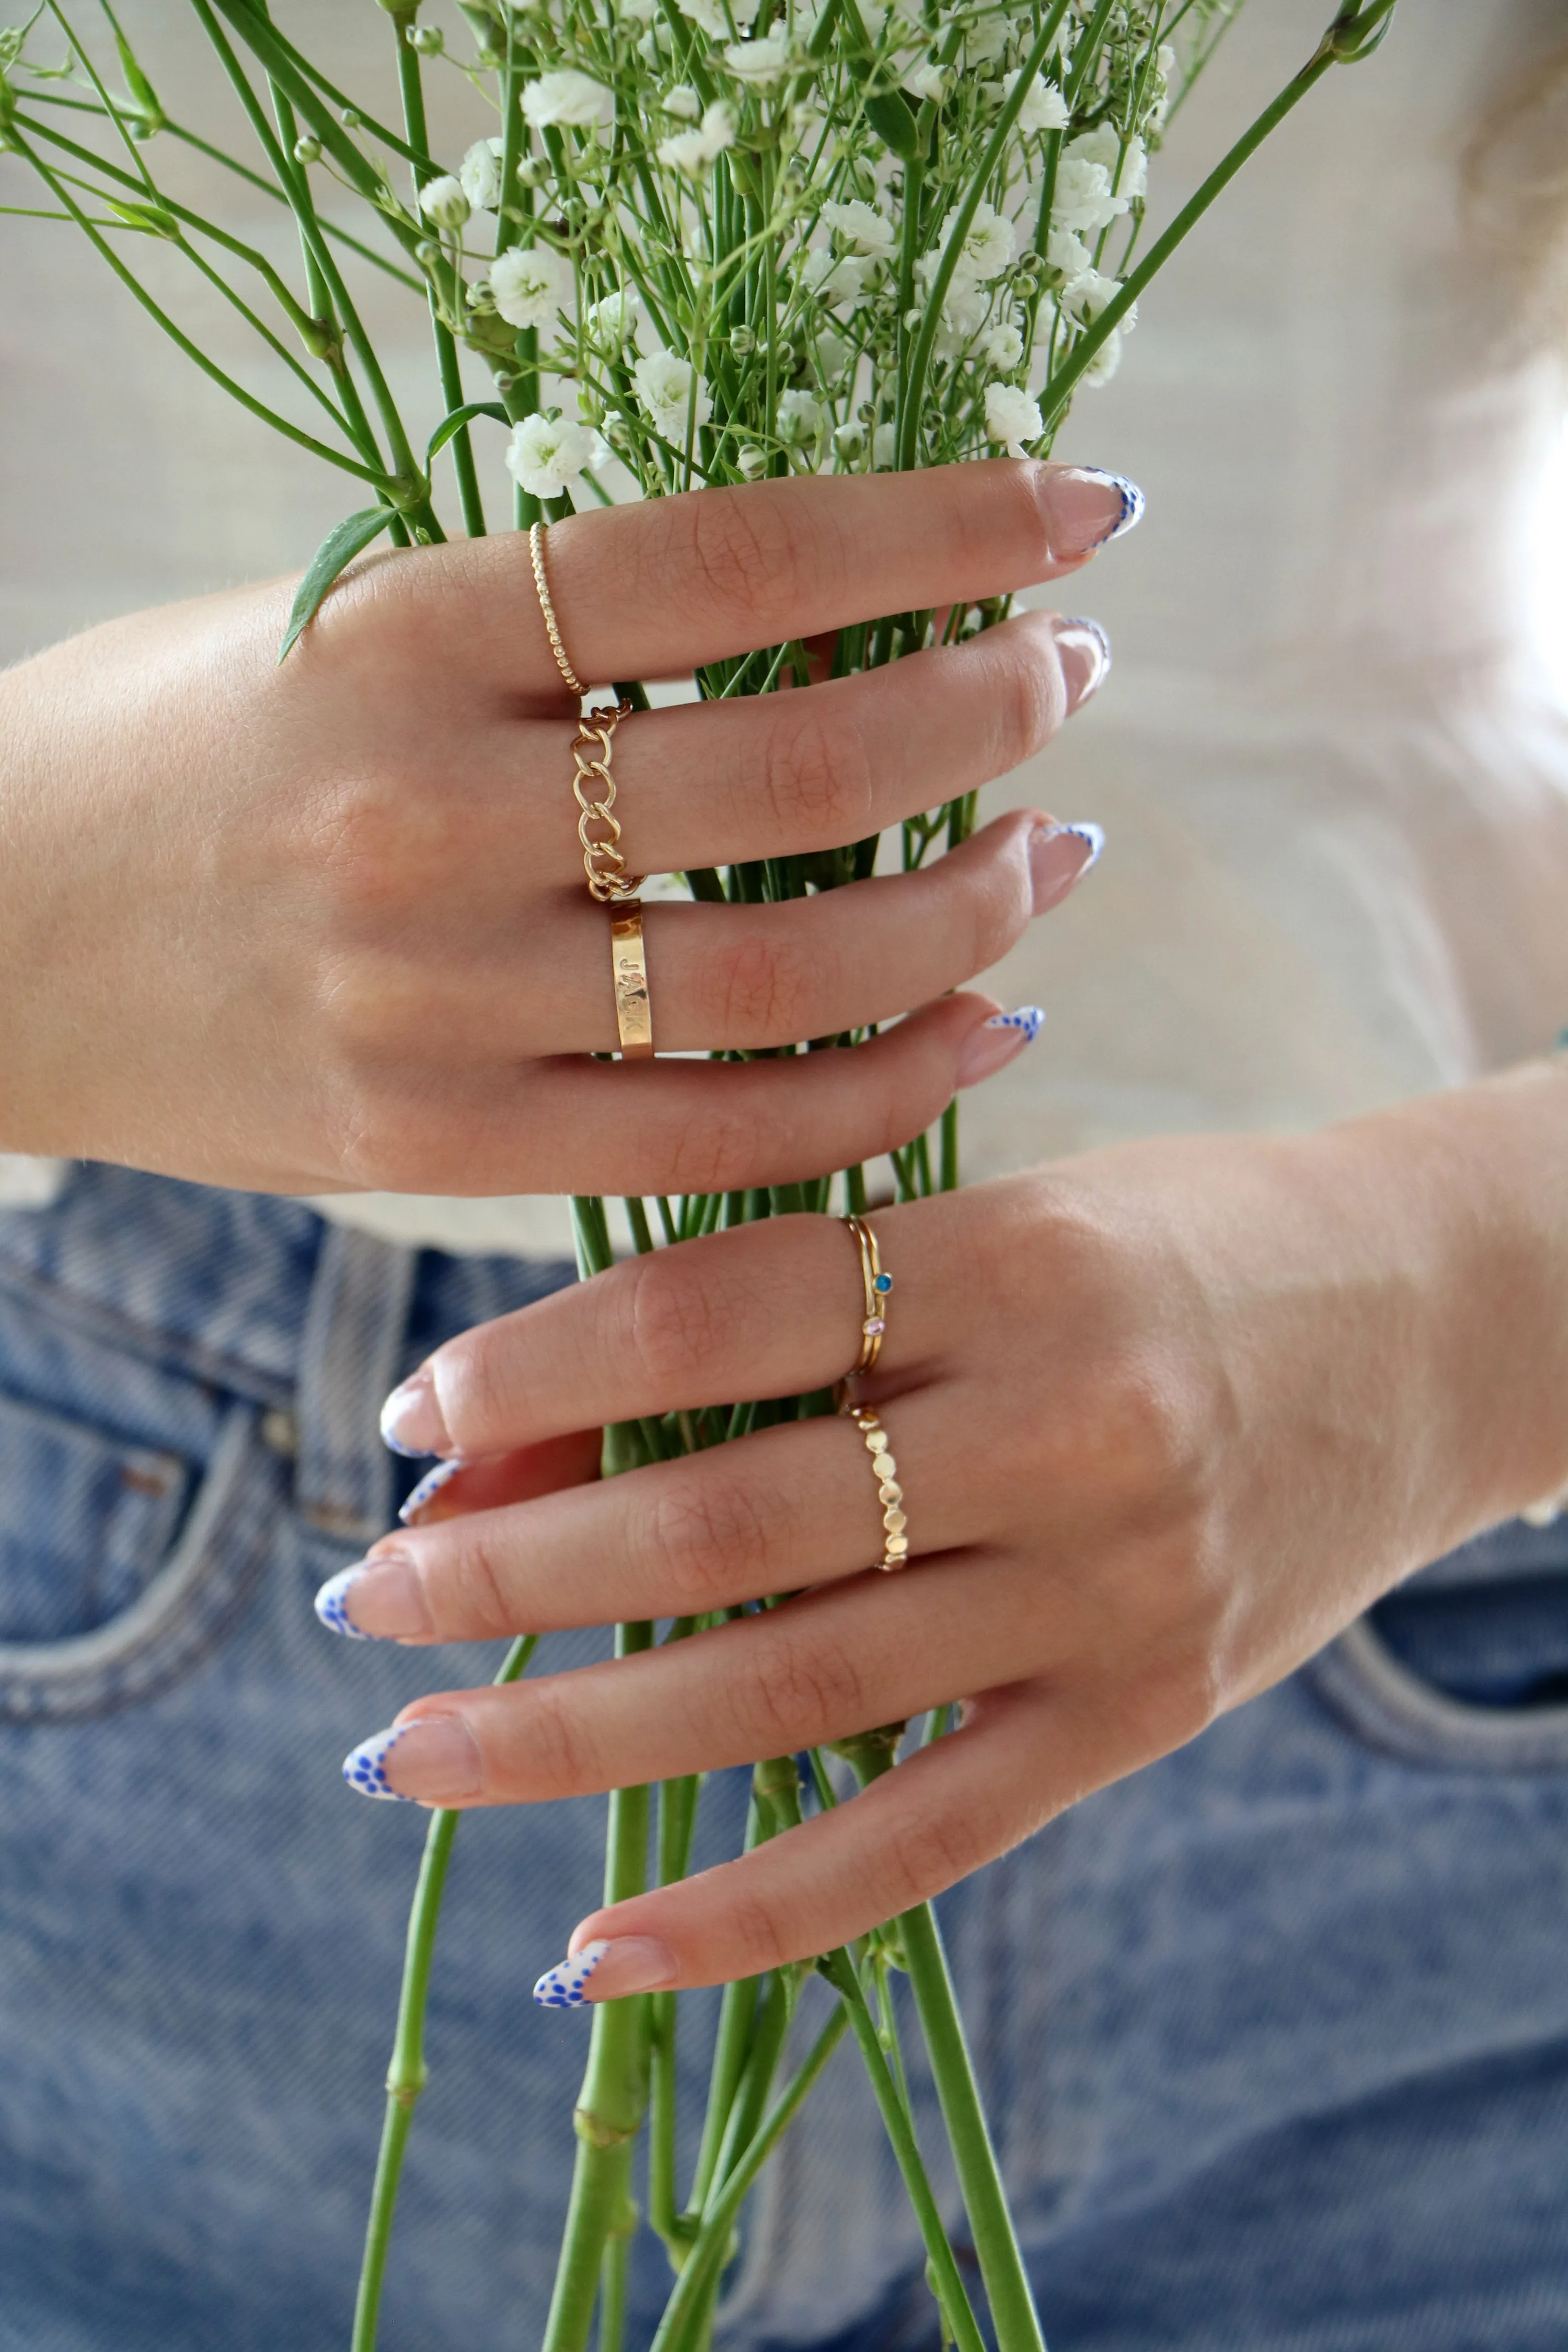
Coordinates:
[324,927]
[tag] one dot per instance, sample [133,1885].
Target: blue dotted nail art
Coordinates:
[1083,828]
[1132,505]
[1029,1018]
[364,1767]
[430,1484]
[332,1605]
[561,1987]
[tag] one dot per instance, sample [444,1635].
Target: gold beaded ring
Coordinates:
[889,1493]
[536,557]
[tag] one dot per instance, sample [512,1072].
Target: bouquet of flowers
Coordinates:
[690,243]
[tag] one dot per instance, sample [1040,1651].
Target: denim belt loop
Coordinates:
[351,1354]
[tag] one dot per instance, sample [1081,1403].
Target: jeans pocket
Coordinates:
[1462,1675]
[121,1564]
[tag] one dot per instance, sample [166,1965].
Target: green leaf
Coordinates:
[339,547]
[150,219]
[461,416]
[892,118]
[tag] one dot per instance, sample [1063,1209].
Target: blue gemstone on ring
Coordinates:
[883,1282]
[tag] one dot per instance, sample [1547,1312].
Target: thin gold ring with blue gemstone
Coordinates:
[877,1287]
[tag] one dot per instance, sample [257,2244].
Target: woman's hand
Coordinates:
[1166,1417]
[324,925]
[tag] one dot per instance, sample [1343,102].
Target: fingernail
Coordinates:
[428,1489]
[436,1760]
[1060,858]
[1084,651]
[411,1419]
[995,1043]
[1087,508]
[388,1599]
[607,1969]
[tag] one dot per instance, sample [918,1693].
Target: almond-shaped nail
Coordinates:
[1084,651]
[432,1761]
[608,1968]
[381,1599]
[1060,858]
[411,1419]
[1086,508]
[428,1489]
[996,1043]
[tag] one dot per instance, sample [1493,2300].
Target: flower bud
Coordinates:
[754,463]
[442,203]
[428,39]
[743,342]
[352,119]
[427,253]
[307,150]
[480,296]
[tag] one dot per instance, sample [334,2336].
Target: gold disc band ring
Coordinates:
[628,965]
[552,630]
[889,1493]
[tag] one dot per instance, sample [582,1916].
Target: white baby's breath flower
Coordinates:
[885,447]
[683,103]
[862,227]
[1067,253]
[710,15]
[479,175]
[663,381]
[611,318]
[547,454]
[758,63]
[835,279]
[1082,198]
[1085,296]
[1002,347]
[568,96]
[692,151]
[525,285]
[442,203]
[1129,173]
[753,462]
[849,440]
[985,36]
[1106,361]
[1012,417]
[989,243]
[800,416]
[1044,107]
[927,82]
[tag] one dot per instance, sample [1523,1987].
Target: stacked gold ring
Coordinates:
[599,832]
[877,1287]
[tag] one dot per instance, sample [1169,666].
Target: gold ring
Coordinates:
[877,1286]
[889,1493]
[594,787]
[536,556]
[628,967]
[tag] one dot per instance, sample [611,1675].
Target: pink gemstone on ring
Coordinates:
[872,1325]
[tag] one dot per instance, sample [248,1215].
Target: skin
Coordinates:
[1167,1417]
[323,926]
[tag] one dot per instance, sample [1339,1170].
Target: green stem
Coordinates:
[408,2073]
[710,2250]
[411,88]
[1059,390]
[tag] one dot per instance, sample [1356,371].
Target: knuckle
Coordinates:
[761,991]
[927,1851]
[739,550]
[673,1321]
[795,1690]
[1027,700]
[559,1758]
[472,1582]
[817,777]
[699,1531]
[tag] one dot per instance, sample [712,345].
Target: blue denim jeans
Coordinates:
[1274,2035]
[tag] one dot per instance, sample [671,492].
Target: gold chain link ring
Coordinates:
[595,787]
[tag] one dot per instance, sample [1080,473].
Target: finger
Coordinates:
[768,1310]
[785,1508]
[665,585]
[820,1668]
[742,978]
[774,775]
[454,1489]
[575,1125]
[946,1811]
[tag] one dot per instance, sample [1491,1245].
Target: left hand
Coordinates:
[1166,1418]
